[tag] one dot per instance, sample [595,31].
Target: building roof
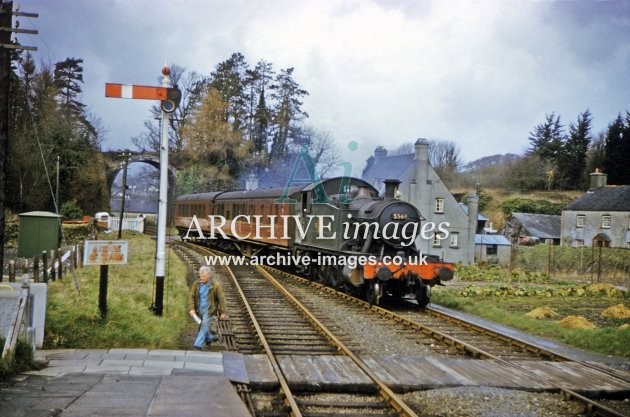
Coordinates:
[603,199]
[480,217]
[395,166]
[543,226]
[481,239]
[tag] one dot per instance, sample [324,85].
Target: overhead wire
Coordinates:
[52,193]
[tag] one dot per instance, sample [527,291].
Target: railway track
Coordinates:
[281,330]
[283,326]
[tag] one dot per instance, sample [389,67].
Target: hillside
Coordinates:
[491,200]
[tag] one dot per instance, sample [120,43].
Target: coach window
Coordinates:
[306,202]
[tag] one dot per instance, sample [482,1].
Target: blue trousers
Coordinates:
[204,335]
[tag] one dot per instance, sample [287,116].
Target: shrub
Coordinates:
[70,210]
[527,205]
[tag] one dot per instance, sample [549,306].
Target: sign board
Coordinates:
[105,252]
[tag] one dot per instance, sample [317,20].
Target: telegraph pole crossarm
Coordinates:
[6,45]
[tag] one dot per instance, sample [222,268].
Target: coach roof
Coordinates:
[198,196]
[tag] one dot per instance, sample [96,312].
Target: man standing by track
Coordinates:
[205,300]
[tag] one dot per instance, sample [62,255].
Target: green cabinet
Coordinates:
[39,231]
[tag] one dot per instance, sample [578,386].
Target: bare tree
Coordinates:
[404,149]
[444,157]
[193,88]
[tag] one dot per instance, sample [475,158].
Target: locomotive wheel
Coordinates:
[313,273]
[372,293]
[423,296]
[322,275]
[333,277]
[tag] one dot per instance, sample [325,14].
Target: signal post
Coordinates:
[170,97]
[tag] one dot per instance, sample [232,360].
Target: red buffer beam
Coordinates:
[135,91]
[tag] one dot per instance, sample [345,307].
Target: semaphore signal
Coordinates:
[170,98]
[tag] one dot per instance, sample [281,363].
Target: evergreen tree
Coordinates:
[68,78]
[546,138]
[260,81]
[229,81]
[287,95]
[48,122]
[617,151]
[571,160]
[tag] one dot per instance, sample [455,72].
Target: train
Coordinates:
[337,231]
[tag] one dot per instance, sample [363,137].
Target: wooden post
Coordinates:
[73,253]
[102,292]
[11,270]
[599,262]
[53,273]
[45,266]
[60,265]
[592,260]
[36,269]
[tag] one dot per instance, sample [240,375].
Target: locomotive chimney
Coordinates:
[364,192]
[391,185]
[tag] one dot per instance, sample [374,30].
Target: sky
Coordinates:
[482,74]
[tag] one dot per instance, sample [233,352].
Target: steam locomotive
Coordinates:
[337,231]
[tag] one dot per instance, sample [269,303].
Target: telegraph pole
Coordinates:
[6,28]
[125,156]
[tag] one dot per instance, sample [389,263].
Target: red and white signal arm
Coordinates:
[170,96]
[141,92]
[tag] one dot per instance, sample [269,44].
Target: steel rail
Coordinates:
[591,405]
[394,400]
[295,410]
[527,346]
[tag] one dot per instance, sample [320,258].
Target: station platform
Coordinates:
[123,382]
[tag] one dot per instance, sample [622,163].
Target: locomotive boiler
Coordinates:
[337,231]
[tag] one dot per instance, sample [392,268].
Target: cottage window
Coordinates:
[439,205]
[454,240]
[579,243]
[437,241]
[606,219]
[580,220]
[491,249]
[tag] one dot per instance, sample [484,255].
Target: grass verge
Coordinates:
[510,311]
[73,318]
[22,360]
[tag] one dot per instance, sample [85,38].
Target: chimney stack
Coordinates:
[380,153]
[598,179]
[252,182]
